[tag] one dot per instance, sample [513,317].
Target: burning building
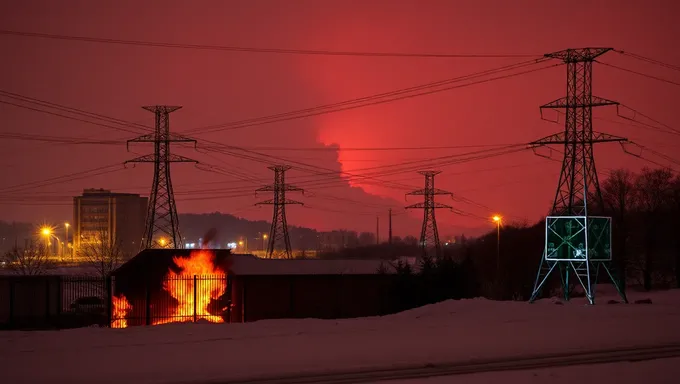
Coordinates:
[166,285]
[171,285]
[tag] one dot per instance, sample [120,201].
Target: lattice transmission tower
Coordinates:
[162,225]
[576,242]
[429,235]
[279,240]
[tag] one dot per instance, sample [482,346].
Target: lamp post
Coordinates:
[243,244]
[66,225]
[497,219]
[46,232]
[264,242]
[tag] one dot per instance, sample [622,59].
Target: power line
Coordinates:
[666,126]
[362,177]
[68,117]
[649,60]
[348,149]
[78,111]
[58,179]
[269,156]
[56,139]
[376,96]
[406,166]
[259,50]
[639,124]
[640,73]
[322,181]
[382,98]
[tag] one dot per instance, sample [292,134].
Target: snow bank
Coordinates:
[444,332]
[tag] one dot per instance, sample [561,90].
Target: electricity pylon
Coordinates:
[279,241]
[576,241]
[429,235]
[162,225]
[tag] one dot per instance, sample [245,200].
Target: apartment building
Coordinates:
[117,217]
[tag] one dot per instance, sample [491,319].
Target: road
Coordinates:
[479,366]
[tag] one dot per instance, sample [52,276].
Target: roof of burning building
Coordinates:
[153,264]
[251,265]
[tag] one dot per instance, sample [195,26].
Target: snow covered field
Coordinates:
[665,371]
[448,332]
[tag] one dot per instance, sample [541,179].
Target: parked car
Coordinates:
[89,305]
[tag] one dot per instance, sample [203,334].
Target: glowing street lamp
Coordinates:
[498,220]
[66,225]
[46,232]
[162,242]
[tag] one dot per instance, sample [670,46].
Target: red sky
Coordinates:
[216,87]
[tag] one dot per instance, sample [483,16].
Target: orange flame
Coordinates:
[192,298]
[121,307]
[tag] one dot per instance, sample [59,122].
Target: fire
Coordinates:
[193,301]
[121,307]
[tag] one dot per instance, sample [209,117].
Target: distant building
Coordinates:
[119,217]
[337,240]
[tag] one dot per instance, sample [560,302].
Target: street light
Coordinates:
[66,225]
[162,241]
[47,233]
[498,220]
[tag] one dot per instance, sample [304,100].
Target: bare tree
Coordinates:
[653,191]
[32,260]
[675,211]
[103,253]
[619,194]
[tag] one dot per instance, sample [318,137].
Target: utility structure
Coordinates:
[377,230]
[576,242]
[389,227]
[162,225]
[279,240]
[429,235]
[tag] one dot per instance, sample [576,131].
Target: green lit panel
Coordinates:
[599,238]
[577,238]
[565,238]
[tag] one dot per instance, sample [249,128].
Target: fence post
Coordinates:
[60,300]
[148,303]
[195,279]
[11,303]
[109,300]
[47,300]
[229,296]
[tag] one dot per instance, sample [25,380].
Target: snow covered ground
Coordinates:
[665,371]
[442,333]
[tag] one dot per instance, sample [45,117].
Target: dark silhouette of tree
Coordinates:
[674,214]
[102,253]
[618,193]
[410,240]
[367,238]
[652,195]
[28,261]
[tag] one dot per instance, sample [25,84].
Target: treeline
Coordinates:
[645,211]
[430,281]
[644,207]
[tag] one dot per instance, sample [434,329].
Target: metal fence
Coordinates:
[57,302]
